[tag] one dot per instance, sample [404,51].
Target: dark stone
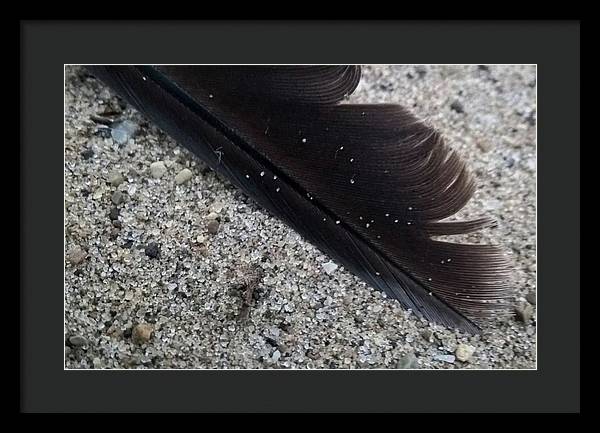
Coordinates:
[152,250]
[427,334]
[271,342]
[103,132]
[524,313]
[457,106]
[213,227]
[87,154]
[531,298]
[114,213]
[483,68]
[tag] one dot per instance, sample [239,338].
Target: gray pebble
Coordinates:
[76,255]
[117,198]
[484,145]
[531,298]
[78,340]
[158,169]
[115,178]
[114,213]
[445,358]
[213,227]
[183,176]
[408,361]
[524,313]
[427,335]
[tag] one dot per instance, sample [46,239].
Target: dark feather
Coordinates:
[368,184]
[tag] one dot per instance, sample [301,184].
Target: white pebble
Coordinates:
[329,267]
[158,169]
[464,352]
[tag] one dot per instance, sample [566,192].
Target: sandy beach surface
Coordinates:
[160,252]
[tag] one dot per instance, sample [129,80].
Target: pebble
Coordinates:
[531,298]
[115,178]
[329,267]
[216,207]
[76,255]
[114,213]
[158,169]
[421,71]
[464,352]
[407,361]
[484,145]
[213,227]
[117,198]
[142,333]
[445,358]
[123,131]
[114,232]
[427,335]
[152,250]
[524,313]
[87,154]
[97,363]
[276,356]
[457,106]
[212,216]
[78,340]
[183,176]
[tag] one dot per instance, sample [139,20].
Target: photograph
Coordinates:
[300,217]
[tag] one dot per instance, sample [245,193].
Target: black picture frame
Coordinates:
[46,46]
